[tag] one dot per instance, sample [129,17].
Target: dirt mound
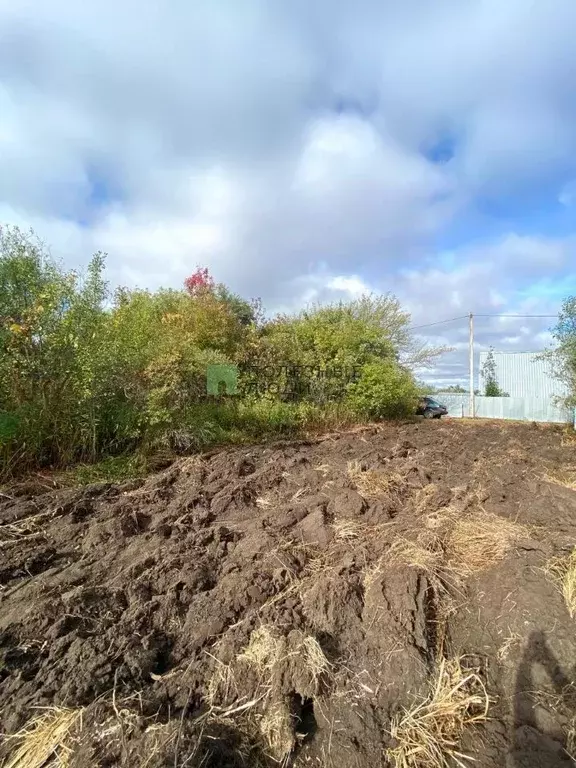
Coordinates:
[369,599]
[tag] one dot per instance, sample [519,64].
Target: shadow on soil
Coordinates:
[530,747]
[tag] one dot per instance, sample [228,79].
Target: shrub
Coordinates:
[385,390]
[86,374]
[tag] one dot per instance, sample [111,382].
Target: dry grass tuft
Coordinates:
[373,573]
[571,739]
[481,540]
[568,437]
[45,738]
[509,642]
[450,548]
[347,530]
[222,684]
[566,478]
[441,518]
[415,555]
[263,650]
[428,734]
[562,571]
[370,483]
[27,528]
[314,660]
[423,497]
[277,728]
[428,556]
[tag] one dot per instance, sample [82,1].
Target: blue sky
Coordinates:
[305,151]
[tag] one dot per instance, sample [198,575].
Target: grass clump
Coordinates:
[45,740]
[314,660]
[428,734]
[370,483]
[459,546]
[263,650]
[416,555]
[347,530]
[562,571]
[274,657]
[277,728]
[566,478]
[480,541]
[113,469]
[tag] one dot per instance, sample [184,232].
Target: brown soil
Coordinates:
[270,605]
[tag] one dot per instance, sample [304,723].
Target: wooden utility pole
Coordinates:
[471,353]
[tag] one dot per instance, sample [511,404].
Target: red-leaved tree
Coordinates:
[199,282]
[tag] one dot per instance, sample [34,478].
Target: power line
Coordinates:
[439,322]
[521,316]
[465,317]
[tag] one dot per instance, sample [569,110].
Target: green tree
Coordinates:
[426,389]
[562,357]
[288,353]
[49,326]
[454,389]
[491,386]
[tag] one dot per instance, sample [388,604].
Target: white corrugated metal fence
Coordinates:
[519,408]
[524,374]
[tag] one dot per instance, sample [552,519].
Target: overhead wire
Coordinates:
[439,322]
[465,317]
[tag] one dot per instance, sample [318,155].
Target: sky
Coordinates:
[305,151]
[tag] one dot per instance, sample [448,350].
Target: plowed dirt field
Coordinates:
[355,601]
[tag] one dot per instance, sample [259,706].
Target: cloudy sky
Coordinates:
[305,150]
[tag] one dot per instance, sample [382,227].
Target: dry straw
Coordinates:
[371,483]
[565,477]
[562,571]
[265,650]
[428,735]
[45,738]
[480,541]
[459,546]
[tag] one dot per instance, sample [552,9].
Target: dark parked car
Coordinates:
[431,409]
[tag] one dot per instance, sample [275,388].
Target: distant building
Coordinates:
[524,374]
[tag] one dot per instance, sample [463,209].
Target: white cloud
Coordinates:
[289,146]
[485,275]
[353,286]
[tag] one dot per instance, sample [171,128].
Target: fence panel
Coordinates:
[518,408]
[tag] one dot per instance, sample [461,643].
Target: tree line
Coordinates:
[87,372]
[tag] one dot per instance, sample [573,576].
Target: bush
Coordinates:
[384,391]
[86,375]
